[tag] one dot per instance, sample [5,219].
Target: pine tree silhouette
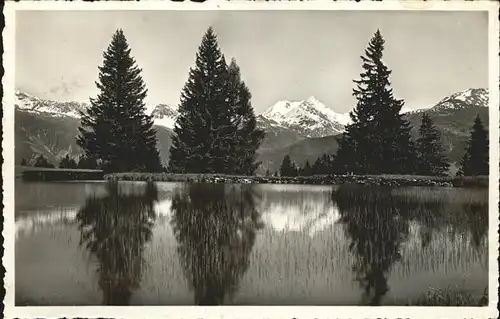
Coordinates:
[288,168]
[41,161]
[378,140]
[475,161]
[323,165]
[216,128]
[306,170]
[431,160]
[68,162]
[115,129]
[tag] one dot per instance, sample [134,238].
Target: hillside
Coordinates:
[54,137]
[300,152]
[454,135]
[50,127]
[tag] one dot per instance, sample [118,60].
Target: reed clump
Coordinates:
[450,296]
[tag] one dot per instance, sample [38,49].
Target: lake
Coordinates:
[131,243]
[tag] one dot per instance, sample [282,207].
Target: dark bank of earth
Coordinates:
[38,174]
[382,180]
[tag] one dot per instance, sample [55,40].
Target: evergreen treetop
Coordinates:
[288,168]
[378,140]
[41,161]
[216,128]
[306,170]
[67,162]
[203,114]
[475,161]
[431,161]
[115,128]
[323,165]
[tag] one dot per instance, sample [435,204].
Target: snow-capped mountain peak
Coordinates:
[35,104]
[278,110]
[468,98]
[309,117]
[164,115]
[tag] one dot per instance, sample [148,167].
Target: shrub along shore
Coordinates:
[38,174]
[380,180]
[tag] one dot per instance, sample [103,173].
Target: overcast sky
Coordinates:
[283,55]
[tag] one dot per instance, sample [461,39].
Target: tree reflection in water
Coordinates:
[115,229]
[377,221]
[376,227]
[215,226]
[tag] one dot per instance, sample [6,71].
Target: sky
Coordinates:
[283,55]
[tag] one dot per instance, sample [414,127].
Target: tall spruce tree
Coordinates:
[475,161]
[115,129]
[216,128]
[378,140]
[431,160]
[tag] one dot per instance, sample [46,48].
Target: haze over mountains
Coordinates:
[304,129]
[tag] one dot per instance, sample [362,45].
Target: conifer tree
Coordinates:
[431,161]
[199,144]
[378,140]
[475,161]
[288,168]
[24,162]
[216,130]
[306,170]
[247,136]
[323,165]
[67,162]
[115,129]
[41,161]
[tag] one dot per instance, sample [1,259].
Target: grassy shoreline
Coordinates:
[56,174]
[380,180]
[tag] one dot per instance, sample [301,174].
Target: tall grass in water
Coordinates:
[450,296]
[377,220]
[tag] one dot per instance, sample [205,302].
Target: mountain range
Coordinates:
[304,129]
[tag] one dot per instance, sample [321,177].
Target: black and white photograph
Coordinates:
[234,156]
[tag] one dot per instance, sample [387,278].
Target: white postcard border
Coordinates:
[10,311]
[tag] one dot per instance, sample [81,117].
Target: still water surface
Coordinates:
[176,244]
